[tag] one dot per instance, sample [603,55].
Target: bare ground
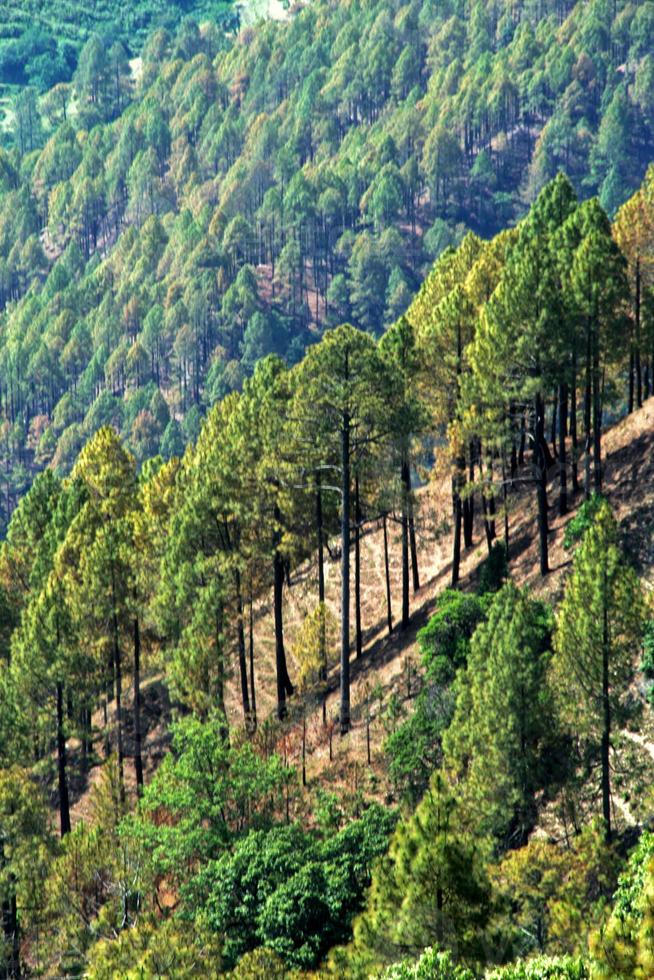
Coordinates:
[390,661]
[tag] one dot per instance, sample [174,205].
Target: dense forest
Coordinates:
[326,629]
[164,226]
[41,40]
[229,859]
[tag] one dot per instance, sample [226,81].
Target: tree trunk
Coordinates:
[304,745]
[574,442]
[638,366]
[456,540]
[345,575]
[540,475]
[357,568]
[406,483]
[138,760]
[284,686]
[119,689]
[119,713]
[505,504]
[563,477]
[469,505]
[405,559]
[389,613]
[606,724]
[253,697]
[597,418]
[587,408]
[321,575]
[242,662]
[322,640]
[64,807]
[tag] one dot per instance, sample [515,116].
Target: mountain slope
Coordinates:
[177,226]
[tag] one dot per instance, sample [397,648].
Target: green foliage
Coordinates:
[497,744]
[599,625]
[647,660]
[432,965]
[447,635]
[430,888]
[208,791]
[40,43]
[117,267]
[158,948]
[582,521]
[289,890]
[494,569]
[543,968]
[414,747]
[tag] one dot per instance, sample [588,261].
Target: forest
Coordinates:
[233,857]
[326,379]
[163,229]
[40,42]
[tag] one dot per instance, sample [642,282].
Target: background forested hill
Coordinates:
[40,40]
[162,230]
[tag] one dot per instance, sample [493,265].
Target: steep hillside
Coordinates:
[162,230]
[40,42]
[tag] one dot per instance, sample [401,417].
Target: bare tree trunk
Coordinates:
[563,476]
[357,568]
[345,575]
[389,613]
[138,760]
[540,476]
[456,540]
[253,697]
[242,661]
[64,807]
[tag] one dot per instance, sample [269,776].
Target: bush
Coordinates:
[448,632]
[543,968]
[432,965]
[494,569]
[583,519]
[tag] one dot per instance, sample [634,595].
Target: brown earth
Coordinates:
[391,662]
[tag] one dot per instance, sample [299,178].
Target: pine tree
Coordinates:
[599,626]
[430,889]
[495,745]
[344,386]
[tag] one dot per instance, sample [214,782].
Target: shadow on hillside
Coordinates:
[155,721]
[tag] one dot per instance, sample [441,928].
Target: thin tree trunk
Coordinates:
[304,745]
[253,697]
[406,482]
[284,686]
[138,760]
[563,477]
[606,723]
[597,418]
[242,661]
[64,807]
[321,576]
[345,575]
[405,559]
[638,366]
[357,568]
[469,504]
[540,475]
[119,712]
[587,410]
[456,540]
[389,613]
[505,504]
[574,442]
